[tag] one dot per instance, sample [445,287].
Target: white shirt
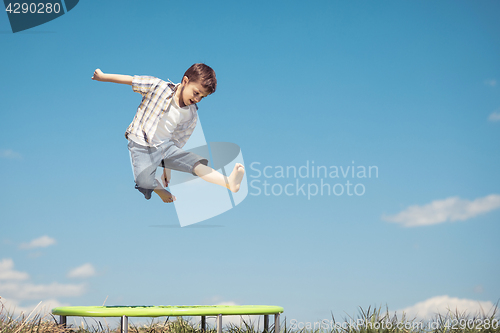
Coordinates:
[174,116]
[156,97]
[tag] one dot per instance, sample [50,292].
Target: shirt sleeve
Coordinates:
[144,84]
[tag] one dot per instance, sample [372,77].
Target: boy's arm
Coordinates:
[116,78]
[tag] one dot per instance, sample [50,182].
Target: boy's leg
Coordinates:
[177,159]
[210,175]
[145,161]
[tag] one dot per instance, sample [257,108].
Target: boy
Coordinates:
[164,121]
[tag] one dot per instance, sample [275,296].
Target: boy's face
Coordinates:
[191,92]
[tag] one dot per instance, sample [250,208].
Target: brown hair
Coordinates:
[204,75]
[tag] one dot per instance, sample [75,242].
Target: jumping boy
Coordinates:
[164,121]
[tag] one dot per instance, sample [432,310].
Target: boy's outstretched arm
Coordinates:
[116,78]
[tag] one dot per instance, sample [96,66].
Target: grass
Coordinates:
[370,321]
[375,321]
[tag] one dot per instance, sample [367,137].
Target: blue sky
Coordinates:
[409,87]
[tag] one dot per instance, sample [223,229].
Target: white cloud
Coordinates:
[20,296]
[479,289]
[7,271]
[83,271]
[43,308]
[23,291]
[43,241]
[429,308]
[490,82]
[241,320]
[10,154]
[495,116]
[439,211]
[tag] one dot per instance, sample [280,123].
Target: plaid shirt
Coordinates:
[156,97]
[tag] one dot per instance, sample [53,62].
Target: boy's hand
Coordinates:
[98,75]
[116,78]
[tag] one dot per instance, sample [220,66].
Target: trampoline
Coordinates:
[172,311]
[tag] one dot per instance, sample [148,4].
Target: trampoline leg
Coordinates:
[203,323]
[277,323]
[266,323]
[124,324]
[62,321]
[219,323]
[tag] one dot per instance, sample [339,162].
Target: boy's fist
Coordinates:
[98,75]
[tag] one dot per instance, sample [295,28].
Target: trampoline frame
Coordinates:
[172,311]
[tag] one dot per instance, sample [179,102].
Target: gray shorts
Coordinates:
[145,161]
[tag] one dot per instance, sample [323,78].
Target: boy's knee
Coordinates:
[146,181]
[146,184]
[202,162]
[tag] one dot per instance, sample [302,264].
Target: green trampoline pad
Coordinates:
[160,311]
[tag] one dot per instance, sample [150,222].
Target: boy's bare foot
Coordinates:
[165,195]
[236,177]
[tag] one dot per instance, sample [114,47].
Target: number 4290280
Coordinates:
[33,8]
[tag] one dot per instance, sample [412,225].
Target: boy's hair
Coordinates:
[204,75]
